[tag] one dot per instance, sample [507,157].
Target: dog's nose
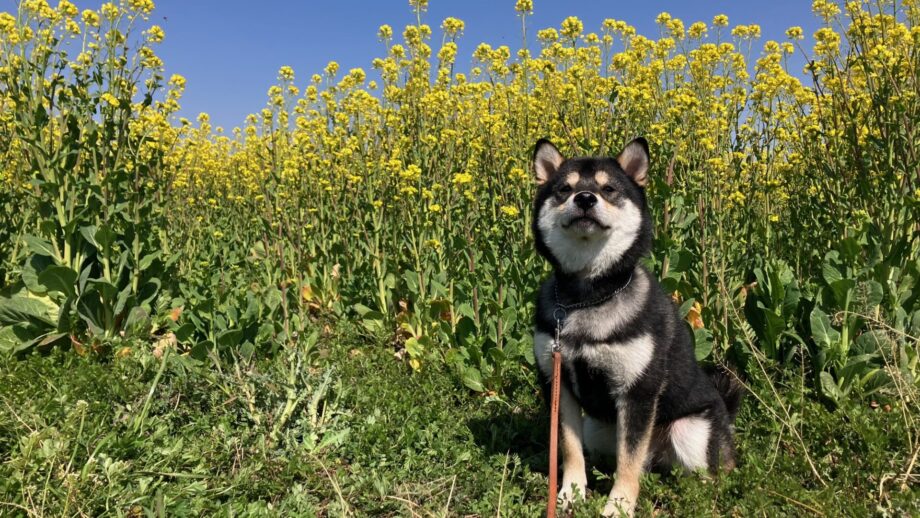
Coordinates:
[585,200]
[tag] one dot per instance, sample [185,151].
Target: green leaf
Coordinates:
[829,387]
[89,234]
[872,341]
[39,312]
[35,264]
[60,279]
[830,273]
[201,349]
[821,330]
[876,293]
[247,350]
[39,246]
[472,378]
[414,347]
[685,307]
[147,260]
[184,332]
[915,324]
[841,289]
[702,339]
[229,338]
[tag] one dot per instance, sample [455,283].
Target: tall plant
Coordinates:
[91,138]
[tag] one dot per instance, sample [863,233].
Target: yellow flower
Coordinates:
[572,27]
[90,18]
[412,173]
[794,33]
[109,10]
[510,211]
[7,23]
[462,178]
[434,207]
[720,20]
[110,99]
[177,81]
[67,9]
[524,6]
[697,30]
[452,27]
[547,35]
[143,6]
[155,34]
[285,73]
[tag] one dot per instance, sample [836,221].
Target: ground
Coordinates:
[347,428]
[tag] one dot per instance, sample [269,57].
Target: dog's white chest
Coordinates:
[622,363]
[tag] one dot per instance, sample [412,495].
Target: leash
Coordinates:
[554,417]
[559,314]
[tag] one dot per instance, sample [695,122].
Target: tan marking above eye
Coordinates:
[601,177]
[572,179]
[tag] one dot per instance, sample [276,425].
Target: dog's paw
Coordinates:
[572,490]
[618,504]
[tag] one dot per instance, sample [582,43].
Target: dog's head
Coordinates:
[590,213]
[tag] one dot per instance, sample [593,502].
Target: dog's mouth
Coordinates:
[584,222]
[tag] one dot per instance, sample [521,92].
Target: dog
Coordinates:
[631,387]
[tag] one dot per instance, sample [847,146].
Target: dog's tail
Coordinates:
[728,386]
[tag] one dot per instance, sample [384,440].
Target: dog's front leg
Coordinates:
[574,477]
[635,421]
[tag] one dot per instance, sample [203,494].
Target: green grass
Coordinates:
[346,428]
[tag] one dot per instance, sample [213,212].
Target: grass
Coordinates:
[345,429]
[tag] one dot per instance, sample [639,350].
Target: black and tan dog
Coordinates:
[631,387]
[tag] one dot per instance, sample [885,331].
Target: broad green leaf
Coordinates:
[28,309]
[229,338]
[472,378]
[876,293]
[414,347]
[702,343]
[830,273]
[58,278]
[829,387]
[40,246]
[821,330]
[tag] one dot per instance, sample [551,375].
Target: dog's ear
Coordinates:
[546,160]
[634,160]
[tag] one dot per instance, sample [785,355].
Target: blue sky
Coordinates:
[230,50]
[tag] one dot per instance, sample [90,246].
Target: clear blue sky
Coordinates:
[230,50]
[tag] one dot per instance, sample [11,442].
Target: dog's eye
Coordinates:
[608,189]
[565,189]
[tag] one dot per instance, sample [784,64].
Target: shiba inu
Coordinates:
[631,387]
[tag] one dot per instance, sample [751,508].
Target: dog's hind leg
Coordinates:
[635,424]
[574,476]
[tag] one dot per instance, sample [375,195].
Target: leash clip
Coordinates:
[559,315]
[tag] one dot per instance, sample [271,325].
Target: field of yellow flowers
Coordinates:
[395,201]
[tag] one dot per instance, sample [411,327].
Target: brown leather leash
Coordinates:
[559,315]
[554,431]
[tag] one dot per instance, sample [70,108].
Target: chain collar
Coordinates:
[560,311]
[595,302]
